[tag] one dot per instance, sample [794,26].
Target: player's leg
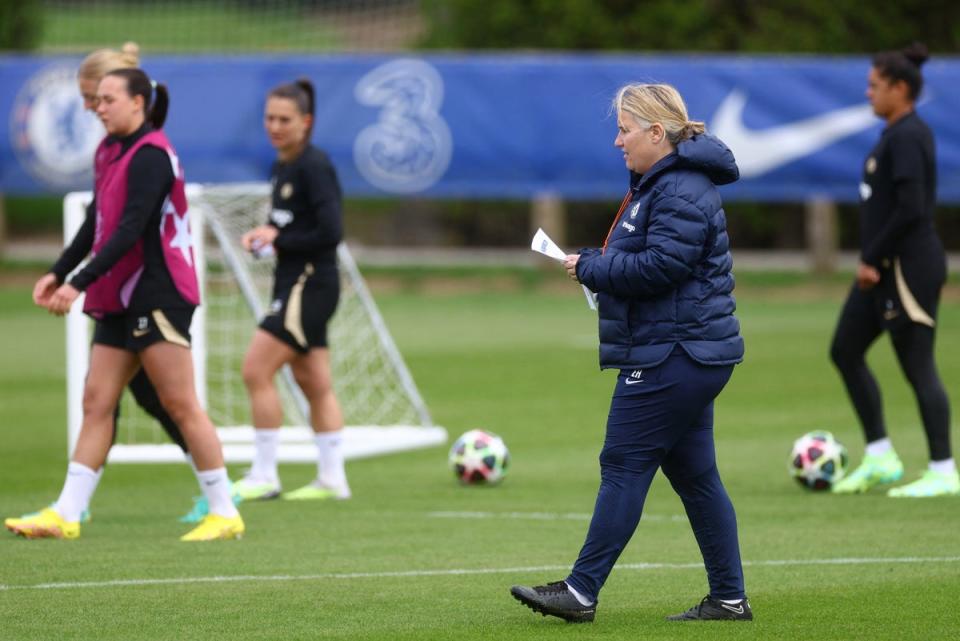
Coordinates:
[691,469]
[171,369]
[914,346]
[146,397]
[300,325]
[165,355]
[312,374]
[110,332]
[858,327]
[110,370]
[265,356]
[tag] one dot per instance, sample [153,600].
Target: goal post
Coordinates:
[383,410]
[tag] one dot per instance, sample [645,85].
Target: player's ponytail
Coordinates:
[303,95]
[311,103]
[161,101]
[904,65]
[307,87]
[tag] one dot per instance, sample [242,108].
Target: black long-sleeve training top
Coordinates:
[898,194]
[307,213]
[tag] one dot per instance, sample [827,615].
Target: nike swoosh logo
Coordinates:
[735,610]
[137,333]
[633,381]
[759,151]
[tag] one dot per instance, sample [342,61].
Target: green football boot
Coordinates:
[873,471]
[930,484]
[252,489]
[318,491]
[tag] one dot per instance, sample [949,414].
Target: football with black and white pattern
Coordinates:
[818,460]
[479,457]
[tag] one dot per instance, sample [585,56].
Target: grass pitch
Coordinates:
[415,556]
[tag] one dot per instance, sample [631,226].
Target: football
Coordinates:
[479,457]
[818,460]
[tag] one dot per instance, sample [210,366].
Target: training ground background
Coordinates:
[415,556]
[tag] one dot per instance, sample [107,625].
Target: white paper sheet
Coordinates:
[543,244]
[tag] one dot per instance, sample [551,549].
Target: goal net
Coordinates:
[231,26]
[382,407]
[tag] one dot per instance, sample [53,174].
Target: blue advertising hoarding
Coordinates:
[481,126]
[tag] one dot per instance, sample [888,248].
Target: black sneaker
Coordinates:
[710,609]
[554,599]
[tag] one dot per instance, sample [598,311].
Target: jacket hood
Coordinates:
[708,154]
[703,153]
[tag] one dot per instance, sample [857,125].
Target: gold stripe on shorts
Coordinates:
[293,318]
[910,304]
[167,330]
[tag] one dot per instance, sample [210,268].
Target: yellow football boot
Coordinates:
[46,523]
[214,527]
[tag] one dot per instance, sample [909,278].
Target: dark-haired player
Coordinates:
[91,71]
[142,288]
[304,229]
[901,272]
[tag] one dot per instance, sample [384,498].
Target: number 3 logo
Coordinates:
[409,147]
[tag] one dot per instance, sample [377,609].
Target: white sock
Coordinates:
[96,482]
[77,490]
[582,599]
[266,442]
[731,601]
[330,470]
[216,487]
[879,448]
[946,466]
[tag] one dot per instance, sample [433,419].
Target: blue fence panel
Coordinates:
[481,126]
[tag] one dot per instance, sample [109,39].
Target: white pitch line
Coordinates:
[545,516]
[463,572]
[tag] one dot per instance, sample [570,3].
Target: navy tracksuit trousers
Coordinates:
[662,417]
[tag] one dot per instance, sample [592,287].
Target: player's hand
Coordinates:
[259,236]
[867,276]
[44,289]
[62,299]
[570,264]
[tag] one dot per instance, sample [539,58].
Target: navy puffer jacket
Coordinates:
[664,279]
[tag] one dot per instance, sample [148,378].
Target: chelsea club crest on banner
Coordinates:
[54,137]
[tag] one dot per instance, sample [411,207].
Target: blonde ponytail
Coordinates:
[96,65]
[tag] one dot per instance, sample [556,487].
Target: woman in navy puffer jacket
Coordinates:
[666,322]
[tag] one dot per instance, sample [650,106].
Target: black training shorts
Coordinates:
[299,312]
[135,332]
